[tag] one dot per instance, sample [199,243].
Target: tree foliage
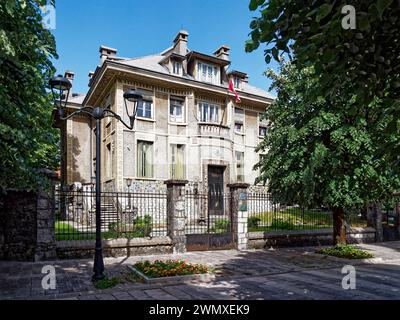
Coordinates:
[27,140]
[318,150]
[366,59]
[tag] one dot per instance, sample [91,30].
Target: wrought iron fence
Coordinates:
[266,213]
[207,214]
[123,214]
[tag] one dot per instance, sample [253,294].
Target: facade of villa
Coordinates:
[188,125]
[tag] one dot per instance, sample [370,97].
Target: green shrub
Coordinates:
[253,222]
[106,283]
[143,225]
[220,225]
[280,224]
[346,251]
[113,226]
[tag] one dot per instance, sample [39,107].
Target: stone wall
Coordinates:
[26,226]
[292,238]
[114,248]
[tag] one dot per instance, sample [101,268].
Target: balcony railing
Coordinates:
[213,129]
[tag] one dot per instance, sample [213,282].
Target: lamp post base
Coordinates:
[98,266]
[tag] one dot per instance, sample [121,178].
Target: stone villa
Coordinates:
[188,126]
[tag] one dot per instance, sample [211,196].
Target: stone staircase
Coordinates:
[109,213]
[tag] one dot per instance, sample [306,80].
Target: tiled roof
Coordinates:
[77,98]
[152,63]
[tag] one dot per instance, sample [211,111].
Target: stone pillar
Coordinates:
[377,221]
[176,219]
[239,213]
[45,221]
[397,221]
[45,232]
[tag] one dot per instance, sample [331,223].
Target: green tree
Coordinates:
[366,58]
[27,140]
[321,150]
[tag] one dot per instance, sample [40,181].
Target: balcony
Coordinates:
[214,129]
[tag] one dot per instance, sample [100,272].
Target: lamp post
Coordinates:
[61,86]
[128,184]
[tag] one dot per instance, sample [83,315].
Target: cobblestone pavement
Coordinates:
[290,273]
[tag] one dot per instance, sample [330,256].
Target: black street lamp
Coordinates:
[61,86]
[128,184]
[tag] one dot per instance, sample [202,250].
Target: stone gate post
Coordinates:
[397,221]
[239,213]
[45,221]
[176,218]
[377,216]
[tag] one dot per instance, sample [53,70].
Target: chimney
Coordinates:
[180,42]
[70,75]
[90,75]
[222,52]
[106,52]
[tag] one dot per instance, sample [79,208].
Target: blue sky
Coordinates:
[138,28]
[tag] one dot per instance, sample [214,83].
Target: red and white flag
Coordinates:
[232,89]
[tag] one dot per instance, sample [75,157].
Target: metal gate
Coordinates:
[391,223]
[208,228]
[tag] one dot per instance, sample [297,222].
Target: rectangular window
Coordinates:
[239,166]
[176,67]
[144,159]
[238,127]
[207,72]
[236,82]
[176,109]
[177,161]
[239,120]
[262,131]
[209,112]
[108,162]
[145,109]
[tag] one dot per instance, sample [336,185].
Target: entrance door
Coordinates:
[215,190]
[209,221]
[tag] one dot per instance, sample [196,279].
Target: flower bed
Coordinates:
[169,268]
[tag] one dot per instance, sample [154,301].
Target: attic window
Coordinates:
[236,82]
[176,67]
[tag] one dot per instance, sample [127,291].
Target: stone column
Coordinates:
[176,219]
[377,221]
[239,213]
[397,221]
[45,221]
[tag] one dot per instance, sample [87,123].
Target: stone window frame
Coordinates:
[213,79]
[237,163]
[151,162]
[184,106]
[176,67]
[240,120]
[200,109]
[184,145]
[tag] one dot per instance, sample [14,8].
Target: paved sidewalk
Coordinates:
[289,273]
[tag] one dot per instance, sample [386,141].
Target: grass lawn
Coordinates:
[296,219]
[290,219]
[66,232]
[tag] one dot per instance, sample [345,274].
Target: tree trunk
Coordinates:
[339,229]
